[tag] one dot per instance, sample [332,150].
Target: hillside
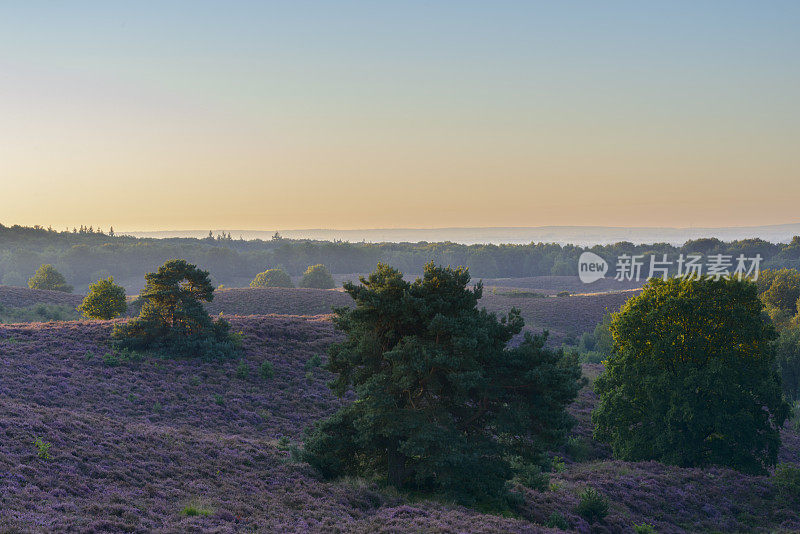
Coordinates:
[20,297]
[133,444]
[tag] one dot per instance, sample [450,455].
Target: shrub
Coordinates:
[557,520]
[313,362]
[593,505]
[196,510]
[272,278]
[563,294]
[48,278]
[644,528]
[691,380]
[242,370]
[266,370]
[105,300]
[786,481]
[173,320]
[42,448]
[442,402]
[317,276]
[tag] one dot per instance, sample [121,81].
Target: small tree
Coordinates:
[105,300]
[272,278]
[317,276]
[48,278]
[443,405]
[692,380]
[173,319]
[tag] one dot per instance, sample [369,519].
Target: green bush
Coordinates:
[48,278]
[317,276]
[644,528]
[242,369]
[593,505]
[692,380]
[786,481]
[105,300]
[272,278]
[266,370]
[557,520]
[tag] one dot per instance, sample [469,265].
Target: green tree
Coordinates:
[48,278]
[173,319]
[788,361]
[317,276]
[272,278]
[784,291]
[442,403]
[692,380]
[105,300]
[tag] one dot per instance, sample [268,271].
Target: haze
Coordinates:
[193,115]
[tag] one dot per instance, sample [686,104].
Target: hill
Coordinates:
[136,444]
[20,297]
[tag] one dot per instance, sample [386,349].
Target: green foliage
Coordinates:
[105,300]
[219,400]
[563,294]
[48,278]
[317,276]
[783,291]
[272,278]
[38,313]
[644,528]
[313,362]
[691,380]
[788,361]
[557,520]
[593,505]
[42,448]
[266,370]
[242,369]
[443,405]
[173,320]
[786,481]
[196,510]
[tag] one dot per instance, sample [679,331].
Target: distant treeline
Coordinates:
[84,255]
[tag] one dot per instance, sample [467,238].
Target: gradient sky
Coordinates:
[264,115]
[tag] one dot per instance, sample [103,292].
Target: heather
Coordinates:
[133,445]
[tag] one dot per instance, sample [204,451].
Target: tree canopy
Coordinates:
[443,404]
[272,278]
[47,277]
[691,380]
[317,276]
[105,300]
[173,319]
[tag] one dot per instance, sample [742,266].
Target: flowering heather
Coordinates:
[20,297]
[135,443]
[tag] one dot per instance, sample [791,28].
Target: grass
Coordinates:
[196,510]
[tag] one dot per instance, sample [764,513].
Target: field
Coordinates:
[181,445]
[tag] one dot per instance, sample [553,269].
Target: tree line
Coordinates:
[84,257]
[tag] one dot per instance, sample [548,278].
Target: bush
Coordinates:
[692,380]
[429,338]
[38,313]
[266,370]
[48,278]
[242,370]
[786,481]
[105,300]
[317,276]
[272,278]
[173,320]
[593,505]
[557,520]
[644,528]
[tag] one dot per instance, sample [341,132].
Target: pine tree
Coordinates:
[442,403]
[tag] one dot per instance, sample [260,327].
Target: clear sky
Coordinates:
[267,115]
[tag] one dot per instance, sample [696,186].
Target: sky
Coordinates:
[291,115]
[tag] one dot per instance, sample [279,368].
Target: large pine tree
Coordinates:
[443,404]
